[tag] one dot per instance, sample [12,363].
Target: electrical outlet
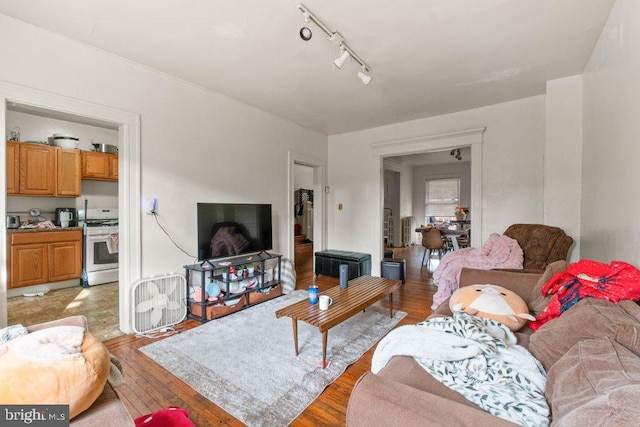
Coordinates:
[150,204]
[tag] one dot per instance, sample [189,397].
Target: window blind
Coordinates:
[442,197]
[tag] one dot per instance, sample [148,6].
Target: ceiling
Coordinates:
[427,57]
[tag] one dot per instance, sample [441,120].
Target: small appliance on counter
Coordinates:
[62,214]
[13,221]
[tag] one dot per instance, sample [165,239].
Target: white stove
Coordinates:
[101,244]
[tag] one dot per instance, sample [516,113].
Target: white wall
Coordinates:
[610,228]
[563,158]
[303,177]
[196,146]
[512,153]
[421,174]
[406,190]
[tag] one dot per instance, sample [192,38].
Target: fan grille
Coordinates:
[159,302]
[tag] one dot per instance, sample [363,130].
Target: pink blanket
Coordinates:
[498,252]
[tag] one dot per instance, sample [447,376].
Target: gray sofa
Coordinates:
[591,354]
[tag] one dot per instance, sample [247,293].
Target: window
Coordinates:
[441,198]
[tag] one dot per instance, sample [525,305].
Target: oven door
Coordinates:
[97,253]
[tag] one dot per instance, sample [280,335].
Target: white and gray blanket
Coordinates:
[478,358]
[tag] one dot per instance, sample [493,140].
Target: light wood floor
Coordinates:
[99,304]
[149,387]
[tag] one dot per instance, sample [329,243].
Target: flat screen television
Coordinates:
[232,229]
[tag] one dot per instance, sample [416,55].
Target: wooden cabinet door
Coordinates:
[114,166]
[13,167]
[95,165]
[65,261]
[37,169]
[69,173]
[29,265]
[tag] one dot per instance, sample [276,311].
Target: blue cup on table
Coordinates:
[313,294]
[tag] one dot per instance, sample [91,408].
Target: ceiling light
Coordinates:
[337,39]
[343,57]
[305,33]
[366,78]
[456,153]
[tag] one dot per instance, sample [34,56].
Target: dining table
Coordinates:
[450,234]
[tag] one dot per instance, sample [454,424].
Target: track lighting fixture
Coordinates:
[305,33]
[456,153]
[335,37]
[366,78]
[343,57]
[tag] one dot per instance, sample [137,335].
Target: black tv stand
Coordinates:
[219,271]
[207,264]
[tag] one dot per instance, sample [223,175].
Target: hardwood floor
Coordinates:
[148,387]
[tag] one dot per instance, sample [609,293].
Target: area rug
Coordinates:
[245,362]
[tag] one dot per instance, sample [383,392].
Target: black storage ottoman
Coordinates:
[394,268]
[328,263]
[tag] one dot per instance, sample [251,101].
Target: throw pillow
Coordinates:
[539,301]
[172,416]
[589,318]
[597,382]
[492,302]
[60,365]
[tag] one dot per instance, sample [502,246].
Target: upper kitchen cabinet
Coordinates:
[37,170]
[68,173]
[114,166]
[13,167]
[99,166]
[42,170]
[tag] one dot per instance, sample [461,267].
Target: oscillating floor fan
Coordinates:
[159,302]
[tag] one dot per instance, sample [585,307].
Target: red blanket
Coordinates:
[589,279]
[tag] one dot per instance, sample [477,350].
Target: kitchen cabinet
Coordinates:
[99,166]
[114,166]
[37,170]
[13,167]
[37,257]
[42,170]
[68,173]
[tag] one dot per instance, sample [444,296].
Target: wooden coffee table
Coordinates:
[361,292]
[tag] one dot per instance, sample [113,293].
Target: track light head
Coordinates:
[305,14]
[305,33]
[343,57]
[366,78]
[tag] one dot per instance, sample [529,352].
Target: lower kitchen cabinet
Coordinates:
[37,257]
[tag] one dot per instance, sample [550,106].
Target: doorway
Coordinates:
[437,143]
[306,214]
[128,129]
[303,207]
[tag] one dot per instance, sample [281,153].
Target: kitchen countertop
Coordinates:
[39,230]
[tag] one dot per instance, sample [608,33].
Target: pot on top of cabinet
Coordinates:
[65,140]
[104,148]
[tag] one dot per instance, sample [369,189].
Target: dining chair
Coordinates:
[432,240]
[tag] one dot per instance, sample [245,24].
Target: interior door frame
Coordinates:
[438,142]
[319,201]
[129,183]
